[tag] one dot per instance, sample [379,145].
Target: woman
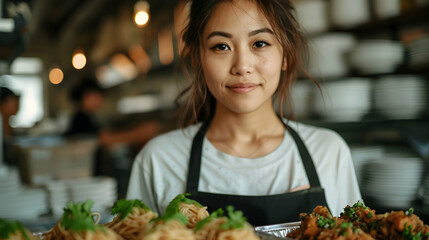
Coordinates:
[234,149]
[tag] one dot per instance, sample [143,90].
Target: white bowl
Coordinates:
[312,15]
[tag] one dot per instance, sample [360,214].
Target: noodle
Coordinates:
[213,231]
[58,232]
[194,213]
[131,227]
[99,234]
[170,230]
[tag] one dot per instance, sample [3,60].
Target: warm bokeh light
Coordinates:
[56,76]
[165,47]
[140,58]
[141,18]
[141,13]
[124,66]
[79,60]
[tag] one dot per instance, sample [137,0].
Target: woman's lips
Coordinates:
[242,87]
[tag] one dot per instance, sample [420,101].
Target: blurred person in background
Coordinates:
[9,106]
[89,98]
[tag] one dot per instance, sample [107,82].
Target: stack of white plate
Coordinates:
[424,191]
[17,201]
[344,100]
[102,190]
[394,180]
[400,96]
[58,196]
[419,52]
[377,56]
[362,155]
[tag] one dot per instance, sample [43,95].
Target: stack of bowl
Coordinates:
[344,100]
[376,56]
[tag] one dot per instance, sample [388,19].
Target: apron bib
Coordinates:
[259,210]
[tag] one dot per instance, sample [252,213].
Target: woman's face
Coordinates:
[241,57]
[10,107]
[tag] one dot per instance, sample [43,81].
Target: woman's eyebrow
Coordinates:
[228,35]
[262,30]
[219,33]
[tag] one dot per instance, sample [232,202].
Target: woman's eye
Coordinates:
[260,44]
[221,47]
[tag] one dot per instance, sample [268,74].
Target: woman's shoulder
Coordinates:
[181,134]
[170,141]
[319,136]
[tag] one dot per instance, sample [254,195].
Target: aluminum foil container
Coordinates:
[278,231]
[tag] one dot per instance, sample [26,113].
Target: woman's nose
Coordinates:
[242,62]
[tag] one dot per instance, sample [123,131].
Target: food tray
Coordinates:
[276,231]
[267,232]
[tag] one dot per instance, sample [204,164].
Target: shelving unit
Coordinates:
[374,128]
[377,29]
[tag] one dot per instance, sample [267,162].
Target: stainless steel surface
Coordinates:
[279,231]
[39,235]
[267,236]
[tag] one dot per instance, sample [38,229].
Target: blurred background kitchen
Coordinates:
[85,84]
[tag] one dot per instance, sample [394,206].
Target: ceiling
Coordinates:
[100,28]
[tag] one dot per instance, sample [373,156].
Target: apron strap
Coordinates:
[310,170]
[196,154]
[195,159]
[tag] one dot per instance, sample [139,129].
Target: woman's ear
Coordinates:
[284,64]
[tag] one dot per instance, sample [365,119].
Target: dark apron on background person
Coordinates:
[264,209]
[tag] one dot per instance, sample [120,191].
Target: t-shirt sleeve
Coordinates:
[346,188]
[349,192]
[141,184]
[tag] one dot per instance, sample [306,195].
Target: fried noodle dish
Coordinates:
[360,222]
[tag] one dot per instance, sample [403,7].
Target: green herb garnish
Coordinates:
[77,217]
[236,219]
[323,222]
[174,205]
[8,227]
[409,212]
[346,225]
[408,233]
[216,214]
[124,207]
[351,212]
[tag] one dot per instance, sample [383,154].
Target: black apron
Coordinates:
[259,210]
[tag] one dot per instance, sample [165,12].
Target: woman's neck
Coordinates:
[246,135]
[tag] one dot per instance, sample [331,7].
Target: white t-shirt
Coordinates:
[160,170]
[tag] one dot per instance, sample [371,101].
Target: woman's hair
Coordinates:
[200,104]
